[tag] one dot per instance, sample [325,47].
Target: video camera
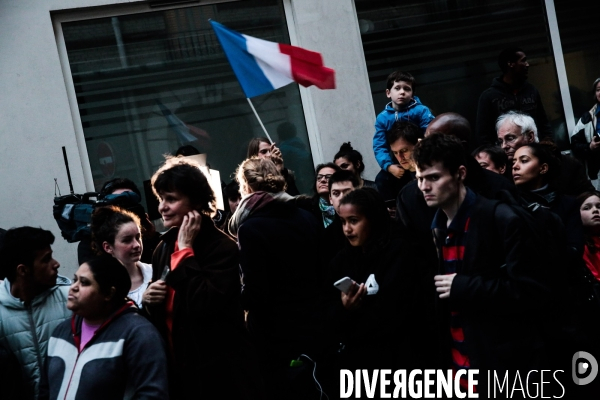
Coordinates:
[73,212]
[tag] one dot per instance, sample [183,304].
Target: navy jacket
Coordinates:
[125,359]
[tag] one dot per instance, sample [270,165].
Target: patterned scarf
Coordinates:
[327,211]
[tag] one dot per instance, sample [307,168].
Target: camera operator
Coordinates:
[109,194]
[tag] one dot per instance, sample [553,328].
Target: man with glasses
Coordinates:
[515,130]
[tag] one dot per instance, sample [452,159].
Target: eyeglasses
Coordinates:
[321,177]
[509,139]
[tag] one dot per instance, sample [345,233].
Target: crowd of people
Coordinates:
[470,250]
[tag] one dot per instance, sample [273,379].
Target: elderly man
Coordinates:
[515,130]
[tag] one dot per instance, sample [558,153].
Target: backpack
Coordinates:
[576,291]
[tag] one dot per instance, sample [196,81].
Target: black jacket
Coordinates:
[566,207]
[388,329]
[499,98]
[415,217]
[213,357]
[572,179]
[502,291]
[283,278]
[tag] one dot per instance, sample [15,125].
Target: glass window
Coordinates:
[577,22]
[149,83]
[452,48]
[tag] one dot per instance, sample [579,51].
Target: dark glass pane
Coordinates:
[452,47]
[149,83]
[577,24]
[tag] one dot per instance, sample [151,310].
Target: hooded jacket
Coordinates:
[499,99]
[124,359]
[26,329]
[415,112]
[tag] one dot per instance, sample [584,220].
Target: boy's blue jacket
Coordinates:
[415,112]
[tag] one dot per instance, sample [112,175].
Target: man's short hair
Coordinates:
[404,130]
[508,55]
[523,121]
[119,183]
[20,246]
[397,76]
[496,154]
[440,148]
[344,176]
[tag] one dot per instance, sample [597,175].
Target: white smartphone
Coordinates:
[344,284]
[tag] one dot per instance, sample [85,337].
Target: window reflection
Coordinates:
[149,83]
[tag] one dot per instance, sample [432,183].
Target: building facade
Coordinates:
[120,83]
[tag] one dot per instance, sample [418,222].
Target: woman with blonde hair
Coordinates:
[279,245]
[263,148]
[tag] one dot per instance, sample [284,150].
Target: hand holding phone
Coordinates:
[344,284]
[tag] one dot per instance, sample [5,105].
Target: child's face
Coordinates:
[401,94]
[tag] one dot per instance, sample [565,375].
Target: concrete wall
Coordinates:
[345,114]
[37,120]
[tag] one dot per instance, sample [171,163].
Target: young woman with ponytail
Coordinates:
[117,232]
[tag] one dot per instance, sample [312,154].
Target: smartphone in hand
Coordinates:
[344,284]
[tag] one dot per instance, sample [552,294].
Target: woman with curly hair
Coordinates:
[194,297]
[279,245]
[535,169]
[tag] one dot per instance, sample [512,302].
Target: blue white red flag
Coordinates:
[262,66]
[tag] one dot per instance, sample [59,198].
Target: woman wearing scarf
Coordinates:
[279,245]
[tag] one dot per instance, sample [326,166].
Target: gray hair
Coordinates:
[523,121]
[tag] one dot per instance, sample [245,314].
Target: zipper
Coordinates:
[117,313]
[71,377]
[35,337]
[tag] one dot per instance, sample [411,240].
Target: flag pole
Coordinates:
[259,120]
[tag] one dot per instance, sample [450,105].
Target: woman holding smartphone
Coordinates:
[381,318]
[585,138]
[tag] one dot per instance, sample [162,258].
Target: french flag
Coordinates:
[262,66]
